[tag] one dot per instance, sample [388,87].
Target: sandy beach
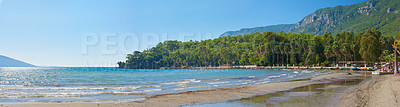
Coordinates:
[381,91]
[199,97]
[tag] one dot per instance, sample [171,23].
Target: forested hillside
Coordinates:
[383,15]
[265,49]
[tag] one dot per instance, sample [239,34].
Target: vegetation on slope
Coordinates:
[382,15]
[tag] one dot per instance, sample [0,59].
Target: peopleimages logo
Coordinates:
[114,43]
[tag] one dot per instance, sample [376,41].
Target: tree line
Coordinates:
[265,49]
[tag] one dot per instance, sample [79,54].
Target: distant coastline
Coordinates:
[10,62]
[274,67]
[251,67]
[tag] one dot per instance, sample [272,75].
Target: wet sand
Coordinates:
[381,91]
[325,94]
[198,97]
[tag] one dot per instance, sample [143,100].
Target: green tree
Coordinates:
[370,46]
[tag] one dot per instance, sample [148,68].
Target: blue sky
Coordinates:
[56,32]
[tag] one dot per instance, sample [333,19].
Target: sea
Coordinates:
[110,84]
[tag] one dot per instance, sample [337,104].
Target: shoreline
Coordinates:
[198,97]
[270,67]
[380,91]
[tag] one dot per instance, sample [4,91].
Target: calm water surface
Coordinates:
[108,84]
[314,95]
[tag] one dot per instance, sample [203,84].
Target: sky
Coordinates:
[98,33]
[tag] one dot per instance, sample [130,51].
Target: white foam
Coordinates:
[188,87]
[185,81]
[240,83]
[222,82]
[251,76]
[273,76]
[217,79]
[306,71]
[263,82]
[67,94]
[70,88]
[155,86]
[176,82]
[189,79]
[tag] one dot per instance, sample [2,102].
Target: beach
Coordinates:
[382,91]
[204,96]
[195,53]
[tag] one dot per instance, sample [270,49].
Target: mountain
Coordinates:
[10,62]
[383,15]
[273,28]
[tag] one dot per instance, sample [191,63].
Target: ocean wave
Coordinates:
[222,82]
[217,79]
[263,82]
[306,71]
[70,94]
[251,76]
[239,83]
[154,86]
[192,80]
[70,88]
[189,87]
[274,76]
[185,81]
[12,85]
[176,82]
[100,101]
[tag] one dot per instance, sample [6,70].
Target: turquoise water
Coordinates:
[108,84]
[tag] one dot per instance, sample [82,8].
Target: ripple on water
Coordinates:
[103,83]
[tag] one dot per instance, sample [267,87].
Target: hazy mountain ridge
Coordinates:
[10,62]
[382,15]
[273,28]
